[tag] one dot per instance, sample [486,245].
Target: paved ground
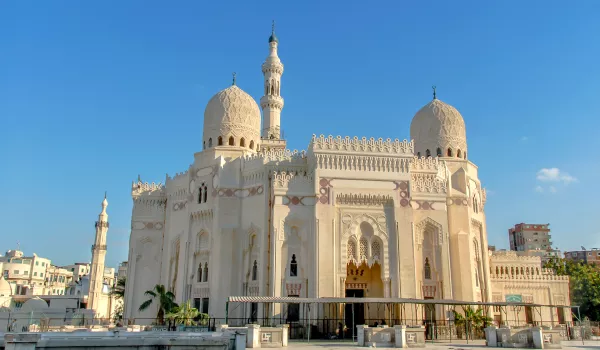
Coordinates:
[473,345]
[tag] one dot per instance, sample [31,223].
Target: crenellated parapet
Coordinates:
[363,145]
[286,178]
[144,188]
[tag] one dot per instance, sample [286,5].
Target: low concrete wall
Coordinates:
[122,340]
[531,337]
[383,336]
[260,337]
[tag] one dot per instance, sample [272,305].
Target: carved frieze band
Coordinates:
[179,205]
[299,200]
[460,201]
[238,192]
[364,200]
[143,225]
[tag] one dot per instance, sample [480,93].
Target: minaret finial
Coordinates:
[273,28]
[104,194]
[434,94]
[233,78]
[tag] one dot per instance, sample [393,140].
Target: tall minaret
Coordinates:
[98,257]
[272,102]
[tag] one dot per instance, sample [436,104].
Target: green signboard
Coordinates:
[514,298]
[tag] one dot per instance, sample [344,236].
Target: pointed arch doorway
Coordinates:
[363,281]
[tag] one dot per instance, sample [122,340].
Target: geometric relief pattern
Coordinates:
[363,249]
[403,191]
[375,250]
[325,190]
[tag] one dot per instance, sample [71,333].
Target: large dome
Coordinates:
[232,118]
[438,129]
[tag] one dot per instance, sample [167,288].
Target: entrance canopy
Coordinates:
[293,300]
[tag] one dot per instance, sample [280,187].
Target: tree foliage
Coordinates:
[118,291]
[584,285]
[166,302]
[184,314]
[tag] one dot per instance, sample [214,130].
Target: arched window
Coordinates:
[439,152]
[231,141]
[419,154]
[200,272]
[293,266]
[200,195]
[512,271]
[427,153]
[458,154]
[205,193]
[449,152]
[537,270]
[427,269]
[220,141]
[205,274]
[522,271]
[210,142]
[242,142]
[251,144]
[266,87]
[204,145]
[272,88]
[254,271]
[497,270]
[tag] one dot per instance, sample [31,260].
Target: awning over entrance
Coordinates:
[292,300]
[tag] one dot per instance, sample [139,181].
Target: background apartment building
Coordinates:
[591,256]
[532,240]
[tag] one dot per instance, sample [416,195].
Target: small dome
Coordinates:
[439,129]
[273,38]
[34,304]
[5,288]
[233,116]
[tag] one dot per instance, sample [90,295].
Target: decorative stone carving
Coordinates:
[425,224]
[364,200]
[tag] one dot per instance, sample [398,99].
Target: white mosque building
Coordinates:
[349,216]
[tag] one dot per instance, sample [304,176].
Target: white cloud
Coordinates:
[554,175]
[539,189]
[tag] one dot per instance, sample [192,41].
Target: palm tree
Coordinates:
[166,301]
[118,291]
[472,321]
[183,314]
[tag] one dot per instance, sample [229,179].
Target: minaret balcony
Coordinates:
[98,247]
[271,101]
[101,224]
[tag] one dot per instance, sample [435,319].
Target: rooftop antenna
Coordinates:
[233,78]
[434,94]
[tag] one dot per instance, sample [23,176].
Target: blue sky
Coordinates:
[93,93]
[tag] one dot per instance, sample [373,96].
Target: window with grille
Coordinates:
[363,248]
[376,250]
[351,250]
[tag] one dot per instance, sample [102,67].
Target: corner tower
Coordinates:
[272,102]
[98,258]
